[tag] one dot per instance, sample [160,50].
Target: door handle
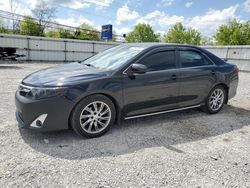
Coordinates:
[174,77]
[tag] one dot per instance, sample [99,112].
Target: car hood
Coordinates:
[67,74]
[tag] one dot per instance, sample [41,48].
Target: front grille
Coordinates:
[24,90]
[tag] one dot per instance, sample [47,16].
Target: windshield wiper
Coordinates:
[83,60]
[88,64]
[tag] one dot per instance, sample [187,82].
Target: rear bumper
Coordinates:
[233,87]
[57,110]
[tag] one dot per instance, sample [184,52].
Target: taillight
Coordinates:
[236,69]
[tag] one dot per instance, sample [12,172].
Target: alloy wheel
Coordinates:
[95,117]
[216,99]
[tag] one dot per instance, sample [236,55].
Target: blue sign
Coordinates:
[106,32]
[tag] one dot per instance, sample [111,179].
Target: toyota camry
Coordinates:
[124,82]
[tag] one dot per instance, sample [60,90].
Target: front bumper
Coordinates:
[57,109]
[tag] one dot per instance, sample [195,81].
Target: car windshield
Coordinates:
[113,57]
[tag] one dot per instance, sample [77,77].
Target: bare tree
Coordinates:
[44,14]
[14,22]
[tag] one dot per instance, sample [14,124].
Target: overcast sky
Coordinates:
[203,15]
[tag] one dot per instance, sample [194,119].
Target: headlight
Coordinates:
[41,93]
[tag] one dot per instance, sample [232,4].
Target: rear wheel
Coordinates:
[215,100]
[93,116]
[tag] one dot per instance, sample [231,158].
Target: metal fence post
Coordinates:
[93,50]
[227,52]
[28,49]
[65,51]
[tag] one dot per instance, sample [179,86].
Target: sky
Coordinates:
[204,15]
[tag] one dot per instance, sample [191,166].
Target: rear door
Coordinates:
[197,76]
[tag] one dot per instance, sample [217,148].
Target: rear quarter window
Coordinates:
[214,58]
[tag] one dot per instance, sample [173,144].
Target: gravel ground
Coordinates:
[182,149]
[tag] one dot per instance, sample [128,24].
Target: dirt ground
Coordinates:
[181,149]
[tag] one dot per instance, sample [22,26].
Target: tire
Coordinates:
[213,105]
[93,116]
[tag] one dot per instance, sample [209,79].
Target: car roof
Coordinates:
[151,45]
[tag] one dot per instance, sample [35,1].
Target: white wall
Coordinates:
[55,50]
[44,49]
[239,55]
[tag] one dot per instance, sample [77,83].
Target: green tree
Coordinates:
[142,33]
[66,34]
[61,33]
[30,27]
[207,41]
[4,30]
[233,33]
[53,34]
[179,34]
[87,32]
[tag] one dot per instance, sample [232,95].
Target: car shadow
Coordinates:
[9,67]
[164,130]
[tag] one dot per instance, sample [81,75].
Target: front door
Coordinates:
[157,89]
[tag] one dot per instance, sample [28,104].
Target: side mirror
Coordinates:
[138,68]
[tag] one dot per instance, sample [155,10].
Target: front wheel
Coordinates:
[93,116]
[215,100]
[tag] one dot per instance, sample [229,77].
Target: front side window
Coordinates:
[189,58]
[162,60]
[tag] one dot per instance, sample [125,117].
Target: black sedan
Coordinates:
[124,82]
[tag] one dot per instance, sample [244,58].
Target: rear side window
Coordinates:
[189,58]
[162,60]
